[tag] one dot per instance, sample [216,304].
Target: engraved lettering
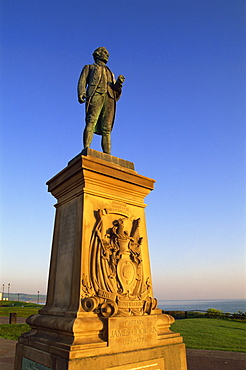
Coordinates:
[120,333]
[134,322]
[133,331]
[156,364]
[129,304]
[120,208]
[105,294]
[137,333]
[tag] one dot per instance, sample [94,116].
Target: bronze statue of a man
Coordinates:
[98,88]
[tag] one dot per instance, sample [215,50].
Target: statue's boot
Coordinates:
[106,143]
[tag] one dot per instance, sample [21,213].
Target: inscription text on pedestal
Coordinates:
[157,364]
[133,332]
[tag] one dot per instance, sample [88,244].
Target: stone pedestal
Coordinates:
[100,311]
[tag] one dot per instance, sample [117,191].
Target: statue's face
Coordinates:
[103,55]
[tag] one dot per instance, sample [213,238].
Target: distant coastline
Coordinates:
[225,305]
[24,297]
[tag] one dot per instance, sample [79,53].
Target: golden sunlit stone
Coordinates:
[100,311]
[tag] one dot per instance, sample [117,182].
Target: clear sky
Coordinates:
[181,120]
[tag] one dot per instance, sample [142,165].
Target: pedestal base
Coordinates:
[124,343]
[103,344]
[171,357]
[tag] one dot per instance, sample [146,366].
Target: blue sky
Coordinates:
[181,120]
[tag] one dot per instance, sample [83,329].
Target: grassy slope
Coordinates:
[13,331]
[23,309]
[27,310]
[214,334]
[198,333]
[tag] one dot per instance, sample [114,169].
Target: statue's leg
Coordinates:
[106,143]
[88,135]
[92,115]
[107,116]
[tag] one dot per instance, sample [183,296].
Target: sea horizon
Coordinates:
[225,305]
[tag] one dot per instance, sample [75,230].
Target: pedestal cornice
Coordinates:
[85,172]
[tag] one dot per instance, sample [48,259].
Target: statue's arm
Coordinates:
[82,84]
[118,86]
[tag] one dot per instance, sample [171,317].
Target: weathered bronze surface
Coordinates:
[100,91]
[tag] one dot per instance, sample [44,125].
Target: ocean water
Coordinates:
[225,305]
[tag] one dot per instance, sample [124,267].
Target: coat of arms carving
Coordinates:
[116,283]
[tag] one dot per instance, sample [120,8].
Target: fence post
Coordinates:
[12,318]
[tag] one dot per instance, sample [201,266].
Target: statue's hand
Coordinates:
[121,78]
[82,98]
[118,84]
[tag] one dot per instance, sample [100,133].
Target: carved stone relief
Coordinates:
[116,283]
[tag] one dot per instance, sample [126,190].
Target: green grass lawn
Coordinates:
[13,331]
[213,334]
[198,333]
[22,309]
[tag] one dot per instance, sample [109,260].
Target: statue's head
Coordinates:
[101,54]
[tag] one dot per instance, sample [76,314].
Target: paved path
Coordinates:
[197,359]
[5,320]
[215,360]
[7,354]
